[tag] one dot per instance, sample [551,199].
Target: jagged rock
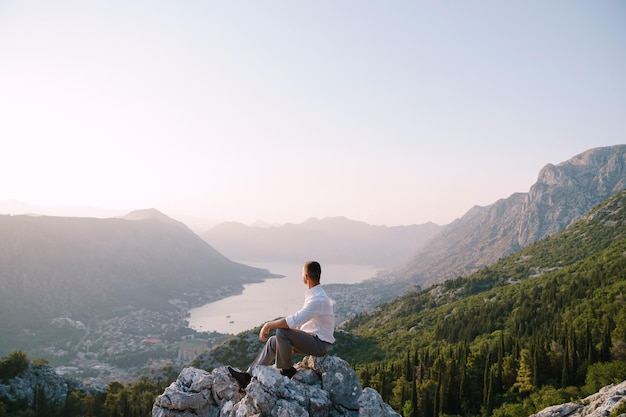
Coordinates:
[337,378]
[322,387]
[371,404]
[599,404]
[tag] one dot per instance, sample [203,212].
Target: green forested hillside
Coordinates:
[542,326]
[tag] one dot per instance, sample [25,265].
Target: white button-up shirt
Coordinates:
[316,316]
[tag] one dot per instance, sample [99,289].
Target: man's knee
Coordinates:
[282,333]
[271,342]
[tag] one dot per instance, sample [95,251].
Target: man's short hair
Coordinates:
[313,270]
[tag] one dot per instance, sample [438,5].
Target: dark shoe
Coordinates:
[243,378]
[289,372]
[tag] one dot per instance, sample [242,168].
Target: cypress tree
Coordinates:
[436,406]
[414,398]
[40,402]
[498,378]
[535,352]
[589,344]
[523,382]
[565,369]
[428,406]
[605,342]
[486,378]
[488,404]
[574,356]
[462,382]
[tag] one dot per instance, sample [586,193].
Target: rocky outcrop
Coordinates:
[562,194]
[600,404]
[40,381]
[325,386]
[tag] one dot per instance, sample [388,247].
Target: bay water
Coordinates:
[270,299]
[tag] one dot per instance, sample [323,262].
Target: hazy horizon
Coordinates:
[13,207]
[390,114]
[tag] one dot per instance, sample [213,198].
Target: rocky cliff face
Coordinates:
[565,192]
[325,386]
[601,404]
[562,194]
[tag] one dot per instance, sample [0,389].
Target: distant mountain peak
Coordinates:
[329,221]
[149,214]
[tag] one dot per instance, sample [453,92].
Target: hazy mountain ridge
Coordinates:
[15,207]
[56,265]
[330,240]
[562,194]
[12,207]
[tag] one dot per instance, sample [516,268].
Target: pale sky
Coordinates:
[388,112]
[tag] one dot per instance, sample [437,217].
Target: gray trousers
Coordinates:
[280,347]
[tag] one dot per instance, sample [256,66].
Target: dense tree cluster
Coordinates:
[13,365]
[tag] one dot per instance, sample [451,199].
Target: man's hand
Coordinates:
[276,324]
[265,330]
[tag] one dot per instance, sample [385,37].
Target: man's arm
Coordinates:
[275,324]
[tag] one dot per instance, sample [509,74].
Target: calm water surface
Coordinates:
[270,299]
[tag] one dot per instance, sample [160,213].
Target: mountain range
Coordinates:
[427,254]
[81,267]
[54,265]
[330,240]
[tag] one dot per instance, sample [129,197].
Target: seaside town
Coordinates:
[131,343]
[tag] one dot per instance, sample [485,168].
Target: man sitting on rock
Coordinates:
[308,331]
